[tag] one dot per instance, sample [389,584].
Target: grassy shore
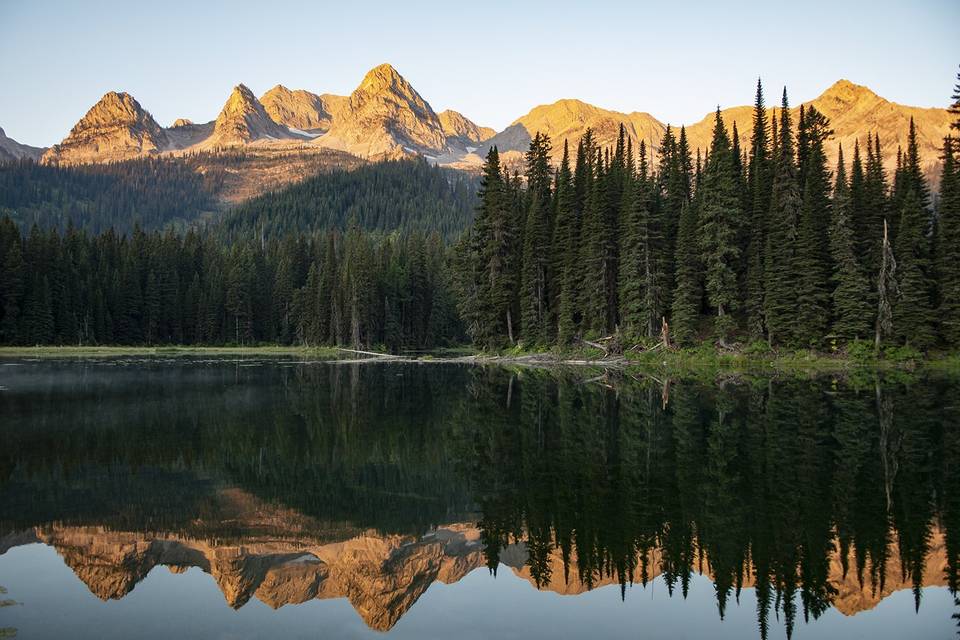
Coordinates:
[107,352]
[699,361]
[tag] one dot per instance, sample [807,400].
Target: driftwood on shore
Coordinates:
[531,360]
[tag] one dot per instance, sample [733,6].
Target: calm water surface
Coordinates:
[253,498]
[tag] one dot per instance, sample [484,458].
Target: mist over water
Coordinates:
[253,497]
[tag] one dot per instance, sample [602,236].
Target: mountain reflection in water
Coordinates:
[289,482]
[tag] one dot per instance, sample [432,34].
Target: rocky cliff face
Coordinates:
[10,149]
[456,125]
[383,113]
[299,109]
[244,120]
[116,128]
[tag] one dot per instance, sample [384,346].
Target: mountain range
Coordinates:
[385,117]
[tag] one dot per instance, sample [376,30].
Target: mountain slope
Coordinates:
[10,149]
[243,120]
[456,125]
[854,111]
[298,109]
[568,120]
[384,115]
[116,128]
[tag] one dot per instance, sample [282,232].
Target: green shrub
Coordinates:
[861,352]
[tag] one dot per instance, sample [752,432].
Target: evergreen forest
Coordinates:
[748,242]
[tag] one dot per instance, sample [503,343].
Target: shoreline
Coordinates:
[697,360]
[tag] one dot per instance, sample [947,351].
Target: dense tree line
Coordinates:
[175,193]
[150,192]
[749,242]
[351,288]
[753,241]
[400,195]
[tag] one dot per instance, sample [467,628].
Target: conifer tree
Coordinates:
[759,184]
[594,252]
[536,271]
[813,257]
[687,296]
[851,292]
[488,304]
[643,260]
[914,311]
[955,106]
[948,244]
[876,201]
[780,308]
[719,224]
[566,248]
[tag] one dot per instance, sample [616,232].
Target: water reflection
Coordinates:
[291,482]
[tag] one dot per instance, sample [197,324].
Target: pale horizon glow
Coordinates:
[492,61]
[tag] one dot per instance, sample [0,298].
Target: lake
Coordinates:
[263,498]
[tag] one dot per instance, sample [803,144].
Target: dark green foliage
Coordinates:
[402,195]
[780,303]
[913,313]
[537,278]
[363,290]
[688,295]
[813,257]
[948,244]
[151,193]
[759,183]
[490,263]
[720,218]
[851,289]
[566,236]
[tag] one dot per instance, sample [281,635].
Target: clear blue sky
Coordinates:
[492,60]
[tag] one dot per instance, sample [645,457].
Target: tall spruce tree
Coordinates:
[780,276]
[813,257]
[948,244]
[719,224]
[565,242]
[688,293]
[643,260]
[536,276]
[955,105]
[595,253]
[759,184]
[488,301]
[913,312]
[851,289]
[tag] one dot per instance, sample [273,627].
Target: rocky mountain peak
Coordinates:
[385,114]
[297,108]
[382,78]
[243,119]
[115,128]
[844,92]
